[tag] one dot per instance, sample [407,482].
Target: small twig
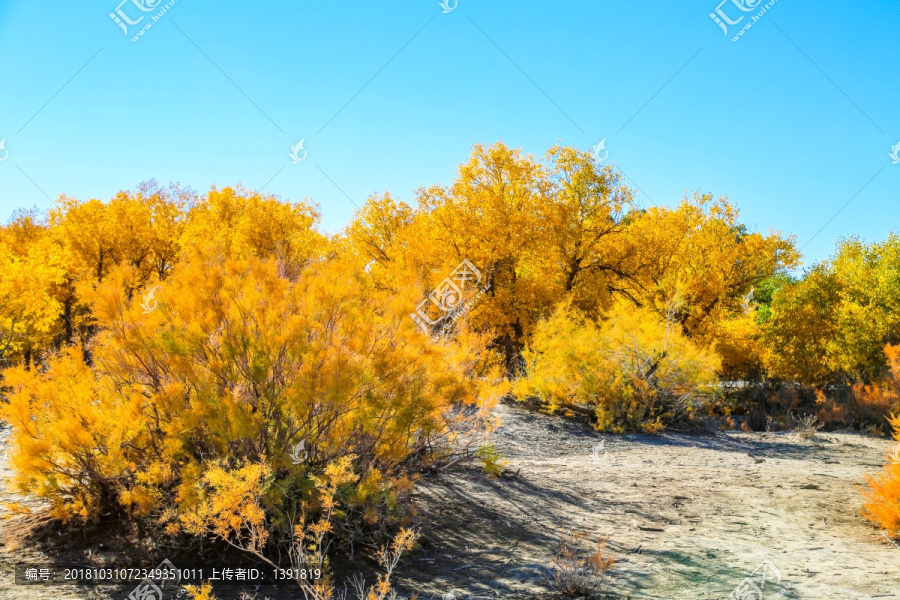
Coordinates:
[890,540]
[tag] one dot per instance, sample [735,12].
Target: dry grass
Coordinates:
[579,573]
[806,427]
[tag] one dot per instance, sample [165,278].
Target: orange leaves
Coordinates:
[702,253]
[31,272]
[69,434]
[579,573]
[241,223]
[883,493]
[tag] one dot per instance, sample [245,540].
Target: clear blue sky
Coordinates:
[790,122]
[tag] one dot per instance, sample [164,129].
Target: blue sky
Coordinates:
[791,122]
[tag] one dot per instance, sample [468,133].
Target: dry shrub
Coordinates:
[863,406]
[636,370]
[882,495]
[806,426]
[577,573]
[761,405]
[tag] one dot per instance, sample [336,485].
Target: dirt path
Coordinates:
[710,514]
[685,517]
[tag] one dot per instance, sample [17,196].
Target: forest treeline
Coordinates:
[552,236]
[164,349]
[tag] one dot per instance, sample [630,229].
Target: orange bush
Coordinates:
[872,402]
[883,494]
[202,399]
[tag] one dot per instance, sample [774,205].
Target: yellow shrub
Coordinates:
[201,592]
[238,387]
[637,371]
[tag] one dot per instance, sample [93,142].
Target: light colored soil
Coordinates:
[721,512]
[710,515]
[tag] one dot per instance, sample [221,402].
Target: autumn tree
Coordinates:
[32,272]
[700,253]
[831,326]
[540,232]
[490,215]
[584,229]
[243,223]
[383,239]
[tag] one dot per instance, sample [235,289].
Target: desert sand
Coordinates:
[685,516]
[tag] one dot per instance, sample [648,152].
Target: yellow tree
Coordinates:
[868,311]
[382,239]
[134,234]
[582,231]
[700,254]
[491,215]
[244,223]
[832,325]
[32,271]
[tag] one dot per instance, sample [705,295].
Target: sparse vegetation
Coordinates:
[579,573]
[807,426]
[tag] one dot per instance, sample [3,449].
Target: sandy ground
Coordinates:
[685,516]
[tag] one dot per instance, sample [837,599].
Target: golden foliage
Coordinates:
[237,365]
[637,371]
[201,592]
[269,333]
[831,326]
[29,306]
[230,507]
